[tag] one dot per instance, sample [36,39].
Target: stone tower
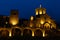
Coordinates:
[14,19]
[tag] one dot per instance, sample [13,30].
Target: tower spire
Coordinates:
[40,5]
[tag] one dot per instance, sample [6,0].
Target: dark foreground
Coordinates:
[29,38]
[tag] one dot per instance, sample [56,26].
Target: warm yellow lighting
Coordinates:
[43,33]
[31,25]
[10,34]
[36,12]
[33,33]
[38,24]
[32,17]
[49,21]
[53,25]
[42,22]
[40,12]
[13,21]
[47,25]
[44,11]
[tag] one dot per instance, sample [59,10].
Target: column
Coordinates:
[43,33]
[10,34]
[32,33]
[21,33]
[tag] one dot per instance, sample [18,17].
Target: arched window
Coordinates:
[27,32]
[16,32]
[4,33]
[38,33]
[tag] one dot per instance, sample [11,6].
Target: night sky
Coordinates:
[27,7]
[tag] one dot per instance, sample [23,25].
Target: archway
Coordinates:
[47,25]
[16,32]
[4,33]
[49,33]
[27,32]
[38,32]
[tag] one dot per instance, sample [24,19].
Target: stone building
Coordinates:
[39,25]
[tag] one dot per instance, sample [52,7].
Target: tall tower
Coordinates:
[14,17]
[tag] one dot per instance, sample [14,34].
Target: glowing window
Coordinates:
[40,12]
[32,17]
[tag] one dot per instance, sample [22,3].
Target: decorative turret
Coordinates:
[40,11]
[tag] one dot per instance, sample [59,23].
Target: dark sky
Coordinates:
[27,7]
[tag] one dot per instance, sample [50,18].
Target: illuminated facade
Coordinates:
[14,17]
[39,25]
[44,19]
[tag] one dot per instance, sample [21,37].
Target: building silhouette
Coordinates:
[39,25]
